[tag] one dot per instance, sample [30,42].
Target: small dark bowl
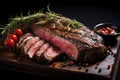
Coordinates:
[108,39]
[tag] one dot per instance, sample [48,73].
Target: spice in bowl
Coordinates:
[109,32]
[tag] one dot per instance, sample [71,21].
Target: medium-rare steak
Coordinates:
[20,47]
[39,49]
[31,52]
[51,53]
[29,44]
[42,49]
[69,36]
[63,44]
[79,44]
[23,39]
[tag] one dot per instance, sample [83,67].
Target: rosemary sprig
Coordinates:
[30,18]
[19,22]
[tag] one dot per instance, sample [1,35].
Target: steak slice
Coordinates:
[31,52]
[79,44]
[23,39]
[42,49]
[51,53]
[20,47]
[29,43]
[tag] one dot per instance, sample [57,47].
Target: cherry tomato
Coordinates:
[9,43]
[14,37]
[18,32]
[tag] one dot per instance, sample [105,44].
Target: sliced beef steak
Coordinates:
[64,45]
[20,47]
[42,49]
[37,48]
[34,48]
[23,39]
[30,43]
[51,53]
[79,44]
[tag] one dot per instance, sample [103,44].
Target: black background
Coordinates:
[88,12]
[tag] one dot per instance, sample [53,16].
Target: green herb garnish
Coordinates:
[33,18]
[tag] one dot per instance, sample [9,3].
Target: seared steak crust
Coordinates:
[80,44]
